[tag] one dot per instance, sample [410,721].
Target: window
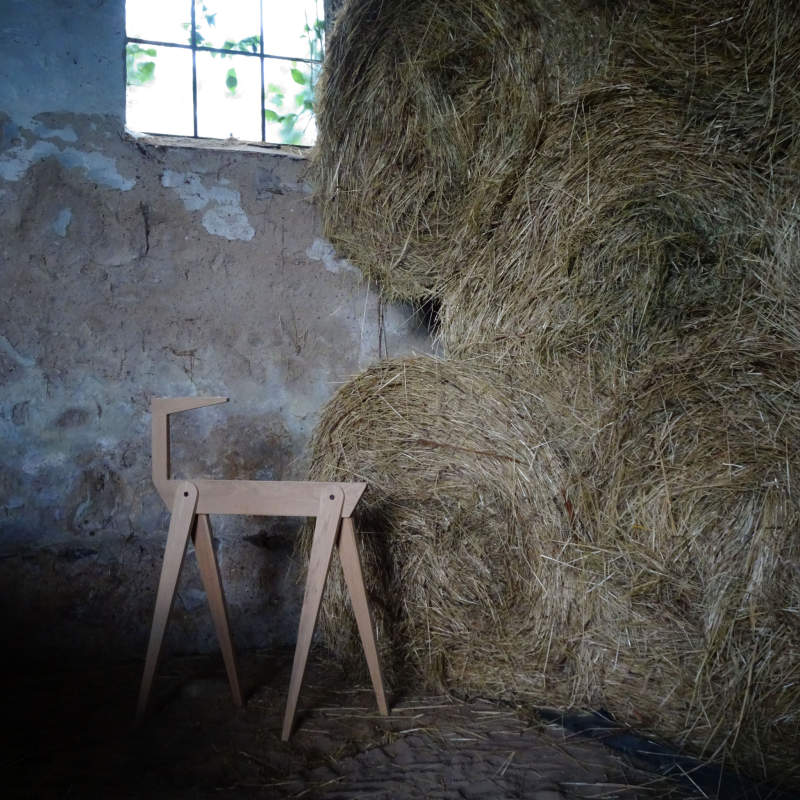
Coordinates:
[224,68]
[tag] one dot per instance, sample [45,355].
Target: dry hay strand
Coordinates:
[690,491]
[575,40]
[621,228]
[733,65]
[418,103]
[461,527]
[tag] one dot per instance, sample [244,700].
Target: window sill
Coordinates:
[162,140]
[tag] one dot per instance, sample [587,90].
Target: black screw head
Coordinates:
[186,494]
[331,497]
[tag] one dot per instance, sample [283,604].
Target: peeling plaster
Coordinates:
[228,221]
[62,221]
[226,218]
[36,462]
[16,161]
[66,134]
[11,352]
[322,250]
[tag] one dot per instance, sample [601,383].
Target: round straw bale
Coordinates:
[622,227]
[464,515]
[691,492]
[661,584]
[731,63]
[419,103]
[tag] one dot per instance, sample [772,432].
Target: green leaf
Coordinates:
[146,71]
[298,77]
[231,81]
[139,72]
[308,105]
[251,42]
[271,116]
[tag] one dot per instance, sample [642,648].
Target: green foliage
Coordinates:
[294,116]
[314,35]
[138,71]
[231,81]
[274,95]
[251,43]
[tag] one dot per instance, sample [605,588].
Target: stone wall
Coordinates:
[130,270]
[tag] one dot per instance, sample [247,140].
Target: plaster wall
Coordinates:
[130,270]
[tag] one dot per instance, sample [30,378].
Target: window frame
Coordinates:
[200,48]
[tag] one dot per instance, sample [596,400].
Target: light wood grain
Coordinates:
[353,576]
[180,526]
[329,516]
[271,498]
[209,573]
[259,498]
[192,501]
[160,409]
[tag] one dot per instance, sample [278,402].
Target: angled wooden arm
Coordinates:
[160,409]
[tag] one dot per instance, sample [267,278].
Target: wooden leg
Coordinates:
[328,518]
[209,572]
[180,526]
[351,566]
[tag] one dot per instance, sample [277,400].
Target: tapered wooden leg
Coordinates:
[325,530]
[209,572]
[351,566]
[180,526]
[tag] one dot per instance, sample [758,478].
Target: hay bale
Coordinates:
[466,497]
[594,504]
[690,487]
[731,64]
[424,110]
[661,583]
[622,228]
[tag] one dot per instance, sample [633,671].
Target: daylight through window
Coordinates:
[224,68]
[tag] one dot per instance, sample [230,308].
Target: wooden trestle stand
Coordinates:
[192,501]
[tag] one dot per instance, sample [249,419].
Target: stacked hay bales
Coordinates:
[419,103]
[590,502]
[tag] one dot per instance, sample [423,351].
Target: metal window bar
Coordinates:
[263,93]
[205,49]
[195,48]
[193,40]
